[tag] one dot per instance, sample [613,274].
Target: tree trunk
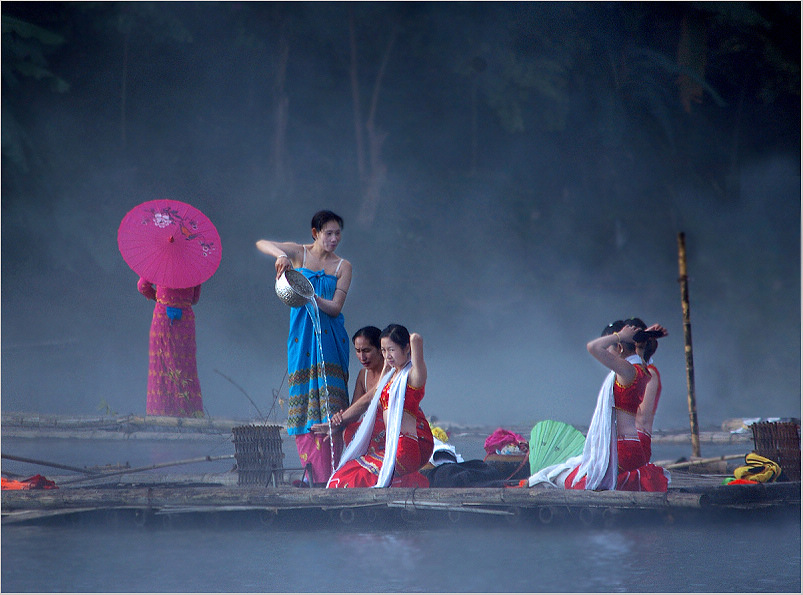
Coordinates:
[281,107]
[378,171]
[124,88]
[355,94]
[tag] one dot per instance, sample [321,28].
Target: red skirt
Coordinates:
[636,474]
[646,444]
[364,471]
[411,455]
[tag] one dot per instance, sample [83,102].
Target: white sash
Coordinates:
[359,444]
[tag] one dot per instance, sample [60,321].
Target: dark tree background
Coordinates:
[513,177]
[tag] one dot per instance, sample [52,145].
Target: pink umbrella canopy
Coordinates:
[169,243]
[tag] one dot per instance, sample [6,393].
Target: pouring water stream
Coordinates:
[312,309]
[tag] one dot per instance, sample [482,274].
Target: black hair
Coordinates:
[321,218]
[637,322]
[650,347]
[614,327]
[397,333]
[371,333]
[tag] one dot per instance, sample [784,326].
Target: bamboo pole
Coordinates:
[684,296]
[47,464]
[694,462]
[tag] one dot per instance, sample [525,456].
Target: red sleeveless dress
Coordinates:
[413,452]
[636,474]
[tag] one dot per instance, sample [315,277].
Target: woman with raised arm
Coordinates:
[317,386]
[613,457]
[394,461]
[616,459]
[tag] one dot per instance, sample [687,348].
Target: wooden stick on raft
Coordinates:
[684,296]
[147,468]
[693,462]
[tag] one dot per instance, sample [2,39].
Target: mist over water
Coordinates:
[506,268]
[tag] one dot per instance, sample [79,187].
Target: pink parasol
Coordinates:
[169,243]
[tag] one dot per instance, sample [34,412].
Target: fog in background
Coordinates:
[526,169]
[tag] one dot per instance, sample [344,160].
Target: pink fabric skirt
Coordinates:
[314,450]
[173,387]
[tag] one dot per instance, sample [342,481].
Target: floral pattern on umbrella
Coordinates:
[170,243]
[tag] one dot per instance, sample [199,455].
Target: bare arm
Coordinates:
[354,411]
[288,255]
[657,327]
[335,305]
[360,405]
[418,373]
[359,386]
[598,348]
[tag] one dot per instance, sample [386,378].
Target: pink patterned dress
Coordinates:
[173,387]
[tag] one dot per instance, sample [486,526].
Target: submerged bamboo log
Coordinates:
[146,468]
[684,296]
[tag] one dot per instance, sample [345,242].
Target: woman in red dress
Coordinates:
[394,439]
[614,457]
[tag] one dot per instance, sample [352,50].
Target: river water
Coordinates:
[241,553]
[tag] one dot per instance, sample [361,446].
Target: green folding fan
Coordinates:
[553,442]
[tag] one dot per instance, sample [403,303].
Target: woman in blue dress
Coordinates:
[318,386]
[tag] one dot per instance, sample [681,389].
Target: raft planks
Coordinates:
[199,498]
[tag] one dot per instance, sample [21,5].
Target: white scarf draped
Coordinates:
[599,461]
[359,444]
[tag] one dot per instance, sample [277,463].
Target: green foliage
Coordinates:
[515,83]
[24,54]
[147,18]
[24,50]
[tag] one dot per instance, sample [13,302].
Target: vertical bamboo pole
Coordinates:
[684,296]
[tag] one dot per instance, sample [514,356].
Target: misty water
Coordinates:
[470,556]
[236,552]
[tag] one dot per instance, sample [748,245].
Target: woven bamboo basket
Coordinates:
[780,442]
[258,452]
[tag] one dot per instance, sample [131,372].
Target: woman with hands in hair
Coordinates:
[613,457]
[373,460]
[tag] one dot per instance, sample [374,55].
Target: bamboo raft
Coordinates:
[259,489]
[346,506]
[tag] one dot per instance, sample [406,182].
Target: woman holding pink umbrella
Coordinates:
[173,386]
[174,248]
